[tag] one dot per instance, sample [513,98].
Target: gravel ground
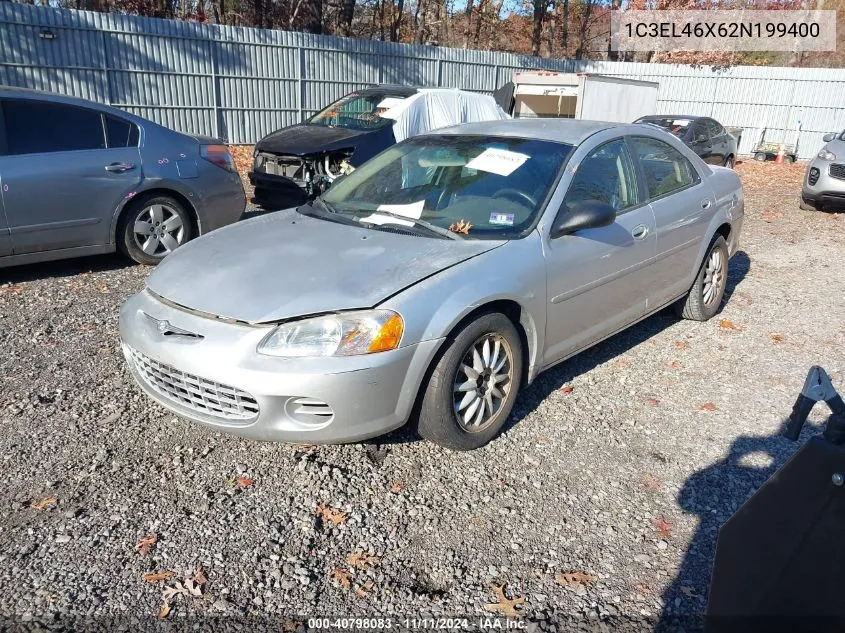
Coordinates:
[618,467]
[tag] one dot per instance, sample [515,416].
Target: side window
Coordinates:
[699,133]
[665,168]
[608,175]
[121,133]
[34,127]
[714,128]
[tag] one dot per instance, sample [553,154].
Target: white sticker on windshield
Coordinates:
[505,219]
[413,210]
[498,161]
[681,122]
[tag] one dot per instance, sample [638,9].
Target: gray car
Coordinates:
[79,178]
[433,282]
[824,180]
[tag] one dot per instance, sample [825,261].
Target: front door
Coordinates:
[598,278]
[62,181]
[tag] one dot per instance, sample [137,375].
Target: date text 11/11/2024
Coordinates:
[484,623]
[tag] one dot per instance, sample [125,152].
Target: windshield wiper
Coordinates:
[325,211]
[433,228]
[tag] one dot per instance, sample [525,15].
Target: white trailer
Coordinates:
[577,96]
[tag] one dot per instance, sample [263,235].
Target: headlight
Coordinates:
[826,155]
[347,334]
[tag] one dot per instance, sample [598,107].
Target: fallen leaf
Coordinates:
[542,439]
[362,560]
[343,577]
[158,576]
[103,288]
[567,389]
[305,448]
[622,363]
[289,626]
[652,401]
[664,527]
[729,325]
[170,593]
[689,592]
[14,289]
[776,338]
[575,579]
[332,515]
[396,487]
[146,543]
[462,226]
[708,406]
[164,611]
[673,364]
[682,345]
[199,577]
[192,588]
[642,587]
[505,606]
[46,502]
[244,482]
[651,482]
[364,590]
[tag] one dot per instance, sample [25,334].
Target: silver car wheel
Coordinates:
[714,277]
[159,230]
[482,382]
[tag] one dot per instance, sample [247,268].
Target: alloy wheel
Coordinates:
[482,382]
[714,277]
[159,230]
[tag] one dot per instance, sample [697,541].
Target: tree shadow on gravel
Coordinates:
[714,494]
[65,268]
[553,379]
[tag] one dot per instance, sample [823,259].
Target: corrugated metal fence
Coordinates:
[242,83]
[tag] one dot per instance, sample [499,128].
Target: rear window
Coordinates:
[121,133]
[36,127]
[676,126]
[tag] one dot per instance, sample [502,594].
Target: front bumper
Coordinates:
[274,190]
[825,190]
[213,375]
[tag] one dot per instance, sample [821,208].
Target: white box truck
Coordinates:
[577,95]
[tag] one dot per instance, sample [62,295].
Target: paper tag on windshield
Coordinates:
[505,219]
[681,122]
[498,161]
[413,210]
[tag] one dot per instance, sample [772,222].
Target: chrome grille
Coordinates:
[192,392]
[837,171]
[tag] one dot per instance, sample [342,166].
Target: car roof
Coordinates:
[660,117]
[569,131]
[54,97]
[394,89]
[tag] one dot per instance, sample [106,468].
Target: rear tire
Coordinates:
[761,156]
[705,297]
[152,228]
[472,388]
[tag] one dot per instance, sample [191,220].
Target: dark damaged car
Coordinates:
[297,163]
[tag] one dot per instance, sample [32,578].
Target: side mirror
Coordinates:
[589,214]
[827,138]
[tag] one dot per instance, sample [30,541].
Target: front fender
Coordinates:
[513,272]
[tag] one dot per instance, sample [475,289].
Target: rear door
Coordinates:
[5,238]
[65,171]
[680,201]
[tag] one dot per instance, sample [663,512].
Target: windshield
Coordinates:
[478,187]
[357,112]
[678,127]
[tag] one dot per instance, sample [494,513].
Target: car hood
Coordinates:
[284,265]
[302,139]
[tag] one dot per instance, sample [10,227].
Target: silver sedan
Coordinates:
[433,282]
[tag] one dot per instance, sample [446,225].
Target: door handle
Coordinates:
[119,168]
[639,232]
[705,204]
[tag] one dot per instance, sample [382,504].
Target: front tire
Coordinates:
[807,206]
[152,228]
[760,156]
[473,385]
[705,297]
